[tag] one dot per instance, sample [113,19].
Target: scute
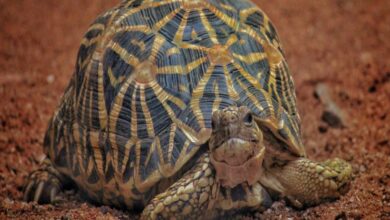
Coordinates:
[151,73]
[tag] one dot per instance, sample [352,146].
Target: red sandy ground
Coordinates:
[341,43]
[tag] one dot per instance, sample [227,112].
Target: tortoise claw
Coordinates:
[43,185]
[41,189]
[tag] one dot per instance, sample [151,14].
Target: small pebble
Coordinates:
[50,79]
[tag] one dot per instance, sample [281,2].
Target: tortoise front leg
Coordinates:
[305,182]
[191,197]
[45,183]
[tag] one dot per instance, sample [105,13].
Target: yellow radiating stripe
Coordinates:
[86,61]
[273,86]
[197,94]
[140,44]
[180,31]
[124,55]
[114,116]
[283,86]
[134,119]
[97,155]
[194,64]
[176,69]
[101,99]
[84,92]
[90,107]
[251,96]
[165,20]
[126,157]
[67,141]
[233,24]
[157,44]
[265,28]
[83,169]
[88,42]
[151,151]
[183,154]
[294,127]
[256,84]
[172,51]
[291,94]
[185,45]
[160,92]
[151,180]
[217,100]
[148,117]
[253,34]
[140,28]
[128,3]
[80,99]
[230,87]
[210,30]
[96,26]
[171,143]
[244,14]
[250,58]
[160,151]
[290,91]
[190,133]
[112,155]
[228,7]
[144,5]
[232,39]
[177,101]
[290,138]
[77,138]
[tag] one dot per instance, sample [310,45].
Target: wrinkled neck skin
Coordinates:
[276,178]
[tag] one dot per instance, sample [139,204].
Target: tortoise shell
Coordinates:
[148,77]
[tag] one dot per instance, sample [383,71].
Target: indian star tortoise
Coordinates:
[182,109]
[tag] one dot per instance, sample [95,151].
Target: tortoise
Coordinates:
[182,109]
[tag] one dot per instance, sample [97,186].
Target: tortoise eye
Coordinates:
[248,119]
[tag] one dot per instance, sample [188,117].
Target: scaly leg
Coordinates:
[191,197]
[305,182]
[44,184]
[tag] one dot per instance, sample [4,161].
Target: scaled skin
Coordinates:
[301,181]
[237,139]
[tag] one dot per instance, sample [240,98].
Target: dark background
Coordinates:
[343,44]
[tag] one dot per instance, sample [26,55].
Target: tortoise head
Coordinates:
[236,146]
[240,140]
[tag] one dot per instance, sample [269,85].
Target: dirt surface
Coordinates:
[342,44]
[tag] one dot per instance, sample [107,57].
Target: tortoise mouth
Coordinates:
[236,151]
[232,175]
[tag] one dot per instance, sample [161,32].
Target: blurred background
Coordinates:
[338,52]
